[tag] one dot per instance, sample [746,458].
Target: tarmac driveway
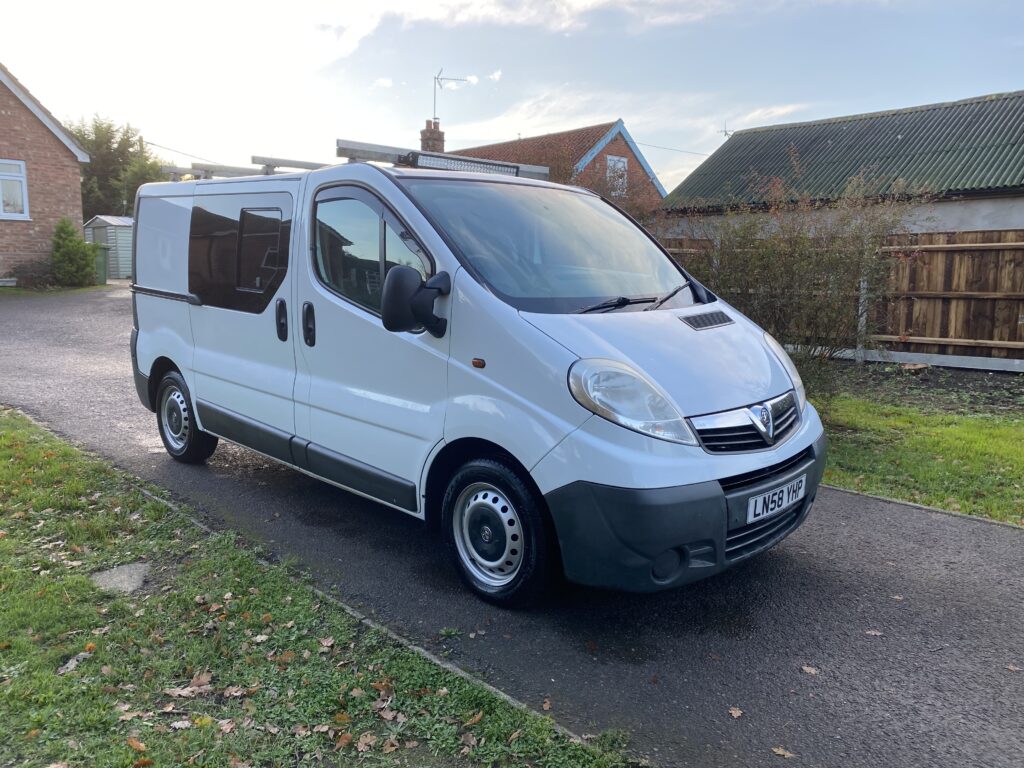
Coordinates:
[906,620]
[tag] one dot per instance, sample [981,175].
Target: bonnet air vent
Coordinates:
[706,320]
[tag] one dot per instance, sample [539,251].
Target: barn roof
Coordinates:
[969,147]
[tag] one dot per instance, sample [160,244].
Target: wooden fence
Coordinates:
[953,293]
[958,293]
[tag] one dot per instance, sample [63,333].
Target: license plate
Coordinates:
[769,504]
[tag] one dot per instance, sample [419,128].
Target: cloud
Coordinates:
[768,114]
[382,82]
[550,15]
[495,75]
[473,79]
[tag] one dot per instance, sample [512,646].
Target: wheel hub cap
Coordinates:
[488,534]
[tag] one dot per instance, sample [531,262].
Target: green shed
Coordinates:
[115,233]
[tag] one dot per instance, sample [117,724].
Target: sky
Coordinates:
[223,81]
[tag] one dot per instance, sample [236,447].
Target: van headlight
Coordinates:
[616,392]
[794,374]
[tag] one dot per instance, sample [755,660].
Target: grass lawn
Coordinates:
[954,441]
[219,659]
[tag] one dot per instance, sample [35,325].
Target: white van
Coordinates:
[517,361]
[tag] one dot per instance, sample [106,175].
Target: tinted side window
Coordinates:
[238,249]
[258,249]
[348,252]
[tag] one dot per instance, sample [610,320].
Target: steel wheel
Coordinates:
[488,534]
[175,420]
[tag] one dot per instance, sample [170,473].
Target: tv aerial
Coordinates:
[440,82]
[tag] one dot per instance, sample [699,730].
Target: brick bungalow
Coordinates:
[602,157]
[40,179]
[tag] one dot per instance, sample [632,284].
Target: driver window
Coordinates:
[401,248]
[348,253]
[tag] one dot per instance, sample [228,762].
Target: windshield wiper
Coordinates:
[615,303]
[662,299]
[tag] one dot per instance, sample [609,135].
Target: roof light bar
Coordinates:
[357,151]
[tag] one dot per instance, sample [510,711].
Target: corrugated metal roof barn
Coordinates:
[961,148]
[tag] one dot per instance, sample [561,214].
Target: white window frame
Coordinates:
[617,175]
[23,178]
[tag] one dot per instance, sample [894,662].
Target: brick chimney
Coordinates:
[432,137]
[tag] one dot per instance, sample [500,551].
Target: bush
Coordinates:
[810,274]
[74,260]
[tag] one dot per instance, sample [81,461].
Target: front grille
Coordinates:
[756,536]
[758,476]
[734,431]
[707,320]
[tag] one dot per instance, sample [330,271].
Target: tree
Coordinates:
[74,260]
[119,164]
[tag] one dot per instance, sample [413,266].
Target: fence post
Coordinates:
[862,320]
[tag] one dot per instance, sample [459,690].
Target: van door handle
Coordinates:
[308,324]
[282,320]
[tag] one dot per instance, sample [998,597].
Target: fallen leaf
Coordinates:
[896,597]
[203,721]
[180,725]
[74,661]
[389,746]
[135,744]
[469,739]
[343,741]
[142,762]
[326,642]
[1013,667]
[355,693]
[342,718]
[810,670]
[546,706]
[736,712]
[873,633]
[442,691]
[515,735]
[366,741]
[474,719]
[33,733]
[411,744]
[300,730]
[781,752]
[226,726]
[261,638]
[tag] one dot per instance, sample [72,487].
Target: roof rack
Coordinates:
[359,151]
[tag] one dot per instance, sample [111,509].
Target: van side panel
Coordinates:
[161,243]
[164,331]
[520,400]
[161,266]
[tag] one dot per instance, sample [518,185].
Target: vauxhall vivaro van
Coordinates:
[517,361]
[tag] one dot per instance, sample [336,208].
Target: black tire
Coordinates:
[486,495]
[175,420]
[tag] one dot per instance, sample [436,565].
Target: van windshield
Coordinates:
[549,250]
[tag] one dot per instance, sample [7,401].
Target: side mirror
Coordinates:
[407,302]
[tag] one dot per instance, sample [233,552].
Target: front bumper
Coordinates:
[645,540]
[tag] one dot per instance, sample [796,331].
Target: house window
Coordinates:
[13,190]
[617,175]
